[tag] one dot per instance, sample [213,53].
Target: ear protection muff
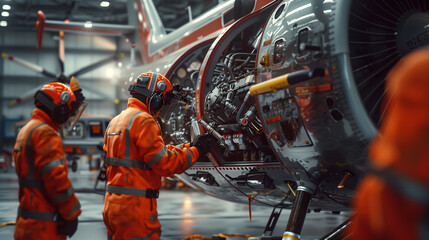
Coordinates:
[154,91]
[60,112]
[156,100]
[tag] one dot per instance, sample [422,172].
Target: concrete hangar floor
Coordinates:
[182,213]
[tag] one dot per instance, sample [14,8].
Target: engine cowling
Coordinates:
[313,134]
[334,117]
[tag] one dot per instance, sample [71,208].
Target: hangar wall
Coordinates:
[81,50]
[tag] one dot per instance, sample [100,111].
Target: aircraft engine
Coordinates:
[231,109]
[337,54]
[324,140]
[241,163]
[176,118]
[224,100]
[311,136]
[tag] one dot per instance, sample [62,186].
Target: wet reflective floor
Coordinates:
[182,213]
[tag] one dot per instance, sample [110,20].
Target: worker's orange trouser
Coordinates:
[128,217]
[29,229]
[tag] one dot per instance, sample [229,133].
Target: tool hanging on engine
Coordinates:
[285,81]
[250,204]
[211,130]
[179,94]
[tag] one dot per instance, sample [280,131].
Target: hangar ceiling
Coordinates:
[23,13]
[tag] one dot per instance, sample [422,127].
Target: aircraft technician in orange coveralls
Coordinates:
[393,202]
[48,206]
[137,157]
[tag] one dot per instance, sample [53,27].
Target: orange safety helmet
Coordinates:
[151,88]
[57,100]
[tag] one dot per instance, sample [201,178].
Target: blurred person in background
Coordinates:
[48,206]
[392,201]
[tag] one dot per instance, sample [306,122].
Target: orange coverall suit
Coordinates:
[136,159]
[393,202]
[44,188]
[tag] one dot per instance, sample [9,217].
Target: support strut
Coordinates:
[298,213]
[274,217]
[339,233]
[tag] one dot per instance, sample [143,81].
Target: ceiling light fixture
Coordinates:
[88,24]
[104,4]
[5,14]
[6,7]
[3,23]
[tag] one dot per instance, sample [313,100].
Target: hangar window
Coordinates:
[76,132]
[96,129]
[175,14]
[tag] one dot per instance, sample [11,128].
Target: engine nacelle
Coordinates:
[335,116]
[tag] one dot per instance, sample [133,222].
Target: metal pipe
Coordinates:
[246,99]
[211,130]
[230,58]
[347,174]
[339,233]
[102,28]
[297,215]
[248,116]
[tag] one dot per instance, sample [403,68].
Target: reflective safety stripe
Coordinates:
[404,185]
[149,193]
[67,194]
[51,165]
[29,152]
[409,188]
[126,163]
[114,134]
[127,136]
[153,83]
[38,215]
[157,157]
[30,183]
[75,208]
[143,238]
[189,159]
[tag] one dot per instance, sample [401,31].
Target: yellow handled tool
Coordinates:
[284,81]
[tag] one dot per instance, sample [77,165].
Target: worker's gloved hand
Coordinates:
[203,143]
[67,228]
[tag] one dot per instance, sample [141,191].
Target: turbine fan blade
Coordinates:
[29,65]
[40,26]
[88,88]
[94,66]
[24,97]
[61,51]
